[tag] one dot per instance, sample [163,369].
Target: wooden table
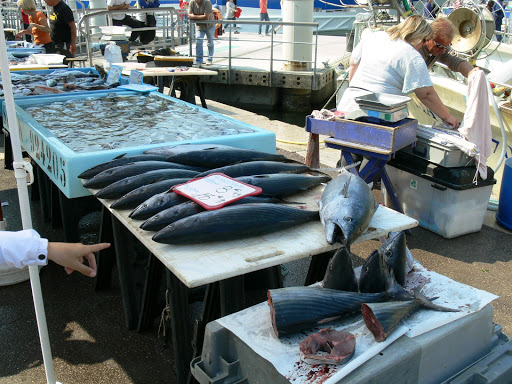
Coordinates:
[189,78]
[221,263]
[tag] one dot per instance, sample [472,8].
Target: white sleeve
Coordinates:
[416,75]
[19,249]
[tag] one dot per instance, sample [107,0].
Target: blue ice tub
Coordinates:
[48,71]
[63,165]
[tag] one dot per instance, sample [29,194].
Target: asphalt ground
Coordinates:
[89,340]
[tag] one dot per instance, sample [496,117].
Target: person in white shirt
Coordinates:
[230,13]
[24,248]
[123,19]
[390,62]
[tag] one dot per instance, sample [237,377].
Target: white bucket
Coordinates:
[11,275]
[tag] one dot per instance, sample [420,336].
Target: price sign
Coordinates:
[135,77]
[215,190]
[114,74]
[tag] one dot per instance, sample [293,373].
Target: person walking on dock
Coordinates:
[264,16]
[230,13]
[202,10]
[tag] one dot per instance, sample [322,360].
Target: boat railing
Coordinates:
[271,62]
[170,30]
[11,16]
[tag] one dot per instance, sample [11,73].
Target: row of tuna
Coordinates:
[346,208]
[143,183]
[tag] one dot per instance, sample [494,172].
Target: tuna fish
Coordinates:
[340,272]
[233,222]
[112,175]
[157,203]
[139,195]
[394,251]
[128,184]
[372,278]
[258,168]
[283,184]
[346,208]
[293,309]
[220,157]
[338,347]
[120,160]
[382,318]
[170,215]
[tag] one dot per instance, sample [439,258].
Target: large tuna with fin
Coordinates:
[346,208]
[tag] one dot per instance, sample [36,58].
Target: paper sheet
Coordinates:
[284,353]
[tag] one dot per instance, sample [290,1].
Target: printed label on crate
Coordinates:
[136,77]
[215,190]
[114,74]
[414,184]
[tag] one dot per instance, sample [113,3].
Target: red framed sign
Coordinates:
[215,190]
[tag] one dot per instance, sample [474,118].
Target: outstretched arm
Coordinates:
[71,256]
[429,97]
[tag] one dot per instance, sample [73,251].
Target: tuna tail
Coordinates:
[426,303]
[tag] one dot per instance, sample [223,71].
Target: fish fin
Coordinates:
[344,191]
[393,289]
[428,304]
[328,319]
[118,157]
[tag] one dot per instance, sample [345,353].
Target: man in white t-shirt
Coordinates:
[123,19]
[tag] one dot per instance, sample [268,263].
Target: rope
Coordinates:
[165,316]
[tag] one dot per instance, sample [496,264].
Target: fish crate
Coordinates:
[383,138]
[173,61]
[63,164]
[443,200]
[428,358]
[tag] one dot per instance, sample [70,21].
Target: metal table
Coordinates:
[221,266]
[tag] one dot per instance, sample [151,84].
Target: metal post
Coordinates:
[20,171]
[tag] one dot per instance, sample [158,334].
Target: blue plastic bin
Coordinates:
[504,214]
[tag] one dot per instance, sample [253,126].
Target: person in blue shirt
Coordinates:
[499,14]
[428,10]
[146,37]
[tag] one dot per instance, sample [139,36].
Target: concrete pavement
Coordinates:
[90,343]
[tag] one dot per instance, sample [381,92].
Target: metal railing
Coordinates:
[273,42]
[171,29]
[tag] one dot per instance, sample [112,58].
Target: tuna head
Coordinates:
[394,250]
[346,208]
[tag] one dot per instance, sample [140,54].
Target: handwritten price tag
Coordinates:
[114,74]
[135,77]
[215,190]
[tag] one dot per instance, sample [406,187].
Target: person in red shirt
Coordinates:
[26,22]
[38,26]
[264,17]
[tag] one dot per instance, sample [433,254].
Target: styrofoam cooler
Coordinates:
[443,200]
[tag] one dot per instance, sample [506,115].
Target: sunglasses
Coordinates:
[441,46]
